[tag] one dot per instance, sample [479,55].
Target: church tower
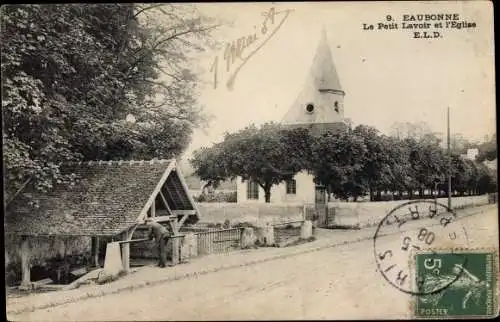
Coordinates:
[319,107]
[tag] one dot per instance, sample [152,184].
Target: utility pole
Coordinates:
[449,160]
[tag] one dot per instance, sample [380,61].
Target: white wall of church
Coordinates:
[304,192]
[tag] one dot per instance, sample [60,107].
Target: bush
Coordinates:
[217,197]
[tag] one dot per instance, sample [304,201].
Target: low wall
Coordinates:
[343,214]
[255,212]
[369,214]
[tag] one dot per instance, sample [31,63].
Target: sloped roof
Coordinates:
[322,77]
[323,72]
[107,198]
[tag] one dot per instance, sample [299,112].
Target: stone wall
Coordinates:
[343,214]
[369,214]
[252,212]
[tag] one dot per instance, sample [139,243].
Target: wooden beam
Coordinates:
[174,226]
[25,263]
[184,212]
[133,240]
[127,235]
[165,202]
[183,219]
[153,208]
[162,218]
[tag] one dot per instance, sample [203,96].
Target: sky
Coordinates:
[388,75]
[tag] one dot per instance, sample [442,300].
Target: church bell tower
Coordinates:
[319,107]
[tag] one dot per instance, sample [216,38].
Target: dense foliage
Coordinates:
[254,154]
[73,75]
[217,197]
[352,164]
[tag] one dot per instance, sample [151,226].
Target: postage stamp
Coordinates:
[470,280]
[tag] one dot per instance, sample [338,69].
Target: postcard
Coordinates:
[250,161]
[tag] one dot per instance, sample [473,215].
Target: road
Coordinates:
[335,283]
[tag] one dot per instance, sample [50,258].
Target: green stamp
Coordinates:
[455,284]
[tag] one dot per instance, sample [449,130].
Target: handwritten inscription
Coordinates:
[422,26]
[234,51]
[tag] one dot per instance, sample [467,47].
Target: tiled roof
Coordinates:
[107,199]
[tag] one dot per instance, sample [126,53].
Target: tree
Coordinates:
[486,180]
[400,171]
[459,144]
[376,167]
[488,150]
[71,74]
[267,155]
[210,165]
[405,130]
[462,172]
[337,161]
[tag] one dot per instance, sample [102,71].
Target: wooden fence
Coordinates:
[218,241]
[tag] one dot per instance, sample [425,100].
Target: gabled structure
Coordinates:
[109,199]
[320,105]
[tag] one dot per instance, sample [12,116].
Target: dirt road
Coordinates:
[335,283]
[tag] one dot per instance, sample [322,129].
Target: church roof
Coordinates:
[323,72]
[322,77]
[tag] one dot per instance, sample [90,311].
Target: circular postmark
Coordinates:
[421,226]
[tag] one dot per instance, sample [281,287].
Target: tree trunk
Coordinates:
[379,195]
[371,193]
[267,194]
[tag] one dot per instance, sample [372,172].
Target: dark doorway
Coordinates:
[320,205]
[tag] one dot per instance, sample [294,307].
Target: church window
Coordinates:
[252,190]
[291,187]
[336,104]
[309,108]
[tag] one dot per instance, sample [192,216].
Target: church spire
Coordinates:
[323,71]
[320,104]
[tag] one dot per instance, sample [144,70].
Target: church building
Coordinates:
[319,107]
